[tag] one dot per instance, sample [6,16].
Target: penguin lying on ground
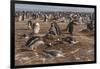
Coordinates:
[34,44]
[53,53]
[70,40]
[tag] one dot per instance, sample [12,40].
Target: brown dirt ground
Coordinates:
[80,52]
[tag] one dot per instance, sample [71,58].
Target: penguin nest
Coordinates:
[53,37]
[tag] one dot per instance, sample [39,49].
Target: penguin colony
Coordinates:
[35,42]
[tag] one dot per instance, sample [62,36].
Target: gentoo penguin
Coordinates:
[53,53]
[36,28]
[54,29]
[20,18]
[34,43]
[23,17]
[70,27]
[70,40]
[29,24]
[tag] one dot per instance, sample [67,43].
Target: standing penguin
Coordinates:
[29,24]
[70,27]
[54,29]
[44,18]
[58,29]
[81,23]
[20,18]
[23,14]
[36,28]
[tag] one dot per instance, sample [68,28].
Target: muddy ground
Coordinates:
[80,52]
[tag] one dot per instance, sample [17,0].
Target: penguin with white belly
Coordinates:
[36,28]
[20,18]
[35,44]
